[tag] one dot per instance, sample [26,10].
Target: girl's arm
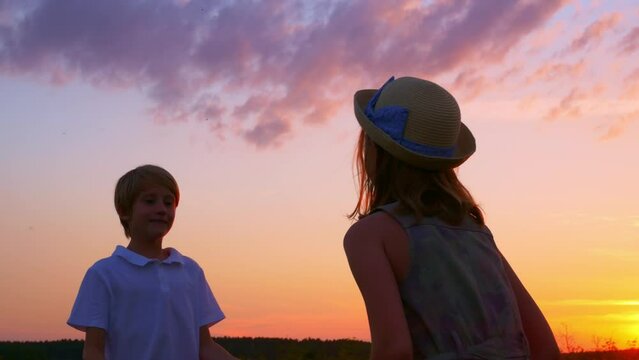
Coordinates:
[94,344]
[373,274]
[209,349]
[540,337]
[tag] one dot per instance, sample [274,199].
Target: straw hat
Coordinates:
[416,121]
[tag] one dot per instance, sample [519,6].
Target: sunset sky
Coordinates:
[249,105]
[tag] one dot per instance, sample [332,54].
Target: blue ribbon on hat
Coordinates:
[392,121]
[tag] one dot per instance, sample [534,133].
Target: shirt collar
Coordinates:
[139,260]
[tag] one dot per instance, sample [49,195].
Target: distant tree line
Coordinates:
[245,348]
[262,349]
[42,350]
[289,349]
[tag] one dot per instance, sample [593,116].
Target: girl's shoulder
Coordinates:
[373,228]
[377,221]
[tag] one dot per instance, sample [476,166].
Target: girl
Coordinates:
[433,281]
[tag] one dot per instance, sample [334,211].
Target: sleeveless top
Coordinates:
[457,299]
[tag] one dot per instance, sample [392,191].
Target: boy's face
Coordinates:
[152,214]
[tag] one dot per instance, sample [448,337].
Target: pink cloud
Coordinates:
[595,31]
[619,125]
[470,83]
[294,62]
[570,105]
[544,37]
[509,73]
[630,41]
[631,85]
[553,71]
[527,102]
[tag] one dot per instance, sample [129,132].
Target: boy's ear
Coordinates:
[123,215]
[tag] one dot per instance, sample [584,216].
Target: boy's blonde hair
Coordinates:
[136,181]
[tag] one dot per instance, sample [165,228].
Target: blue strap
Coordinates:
[392,121]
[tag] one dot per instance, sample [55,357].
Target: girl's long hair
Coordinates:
[420,192]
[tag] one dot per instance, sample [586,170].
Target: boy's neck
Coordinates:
[151,249]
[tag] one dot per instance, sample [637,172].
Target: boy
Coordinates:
[146,302]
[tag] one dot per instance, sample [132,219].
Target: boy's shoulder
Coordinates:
[104,264]
[185,260]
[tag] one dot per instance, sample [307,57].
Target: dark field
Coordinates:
[257,349]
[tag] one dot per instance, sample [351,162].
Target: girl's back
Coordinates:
[455,293]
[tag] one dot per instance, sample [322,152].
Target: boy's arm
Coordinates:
[209,349]
[94,344]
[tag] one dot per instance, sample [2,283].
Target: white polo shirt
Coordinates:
[150,309]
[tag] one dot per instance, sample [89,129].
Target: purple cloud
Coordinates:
[266,132]
[630,41]
[258,69]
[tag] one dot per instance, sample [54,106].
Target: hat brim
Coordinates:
[463,149]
